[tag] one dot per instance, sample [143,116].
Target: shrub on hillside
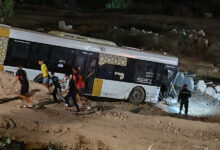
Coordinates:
[6,8]
[213,54]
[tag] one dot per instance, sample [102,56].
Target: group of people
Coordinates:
[75,85]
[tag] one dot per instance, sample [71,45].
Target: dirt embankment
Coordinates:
[114,125]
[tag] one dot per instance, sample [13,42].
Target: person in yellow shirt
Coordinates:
[44,71]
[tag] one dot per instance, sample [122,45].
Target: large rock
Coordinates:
[217,88]
[211,91]
[201,86]
[63,26]
[217,96]
[181,80]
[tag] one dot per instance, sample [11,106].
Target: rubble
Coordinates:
[201,86]
[217,96]
[211,91]
[208,15]
[217,88]
[201,33]
[181,79]
[63,26]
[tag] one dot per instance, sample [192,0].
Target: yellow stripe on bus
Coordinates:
[4,32]
[97,87]
[1,67]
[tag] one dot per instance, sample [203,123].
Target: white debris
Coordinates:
[208,15]
[63,26]
[211,91]
[171,101]
[137,30]
[201,86]
[184,33]
[201,33]
[115,28]
[133,29]
[217,96]
[179,80]
[156,34]
[217,88]
[174,30]
[149,32]
[69,27]
[143,31]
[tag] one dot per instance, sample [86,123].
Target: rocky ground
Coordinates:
[108,125]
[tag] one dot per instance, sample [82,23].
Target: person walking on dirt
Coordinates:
[183,98]
[57,87]
[45,74]
[65,84]
[79,84]
[22,77]
[72,91]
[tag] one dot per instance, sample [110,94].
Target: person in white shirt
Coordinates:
[65,84]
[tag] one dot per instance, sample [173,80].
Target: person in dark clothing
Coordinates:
[57,87]
[184,98]
[22,77]
[72,91]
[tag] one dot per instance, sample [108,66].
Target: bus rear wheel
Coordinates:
[137,96]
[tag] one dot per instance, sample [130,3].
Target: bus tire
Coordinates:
[38,79]
[137,96]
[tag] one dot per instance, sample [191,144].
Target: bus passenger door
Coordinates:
[87,62]
[169,74]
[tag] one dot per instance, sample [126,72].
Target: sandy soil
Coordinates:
[111,125]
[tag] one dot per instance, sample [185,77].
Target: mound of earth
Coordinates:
[115,125]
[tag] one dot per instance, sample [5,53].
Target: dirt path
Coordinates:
[109,129]
[114,125]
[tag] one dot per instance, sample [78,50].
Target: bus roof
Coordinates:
[44,38]
[82,38]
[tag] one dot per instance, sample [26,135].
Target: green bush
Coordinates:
[213,54]
[6,8]
[116,4]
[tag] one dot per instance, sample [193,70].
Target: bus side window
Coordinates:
[80,62]
[19,52]
[60,60]
[144,72]
[119,73]
[159,75]
[20,49]
[38,51]
[106,71]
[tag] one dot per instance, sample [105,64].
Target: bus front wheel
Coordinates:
[137,96]
[38,79]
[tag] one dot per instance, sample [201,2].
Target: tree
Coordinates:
[116,4]
[6,8]
[73,4]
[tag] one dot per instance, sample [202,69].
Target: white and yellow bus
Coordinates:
[109,71]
